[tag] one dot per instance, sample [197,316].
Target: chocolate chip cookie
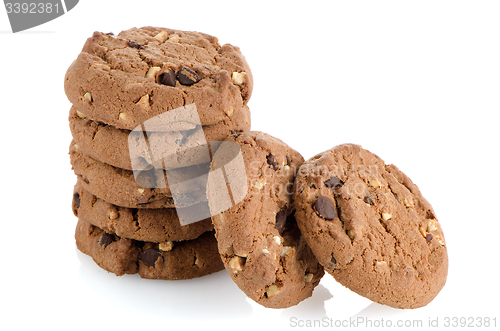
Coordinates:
[258,238]
[167,260]
[156,225]
[125,79]
[120,187]
[370,227]
[110,145]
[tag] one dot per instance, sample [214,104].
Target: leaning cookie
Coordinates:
[120,187]
[126,79]
[258,238]
[370,227]
[110,145]
[156,225]
[169,261]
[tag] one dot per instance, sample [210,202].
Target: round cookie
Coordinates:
[258,238]
[126,79]
[370,227]
[155,225]
[119,186]
[110,145]
[177,260]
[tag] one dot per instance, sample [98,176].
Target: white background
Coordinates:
[415,82]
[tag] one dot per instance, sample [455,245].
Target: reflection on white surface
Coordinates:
[213,297]
[377,310]
[313,307]
[201,298]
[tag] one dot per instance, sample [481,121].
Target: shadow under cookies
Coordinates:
[205,296]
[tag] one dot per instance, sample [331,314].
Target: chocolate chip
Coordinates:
[280,221]
[271,161]
[109,34]
[146,178]
[333,260]
[288,161]
[429,214]
[368,200]
[76,200]
[428,237]
[167,78]
[139,244]
[325,208]
[106,239]
[133,44]
[187,77]
[149,257]
[334,182]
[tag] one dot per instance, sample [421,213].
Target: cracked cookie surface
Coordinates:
[258,238]
[110,145]
[155,225]
[167,260]
[126,79]
[370,227]
[120,187]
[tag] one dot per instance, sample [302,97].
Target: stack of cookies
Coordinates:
[117,84]
[150,102]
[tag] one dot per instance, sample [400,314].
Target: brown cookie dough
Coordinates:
[170,261]
[156,225]
[110,145]
[370,227]
[126,79]
[119,186]
[258,238]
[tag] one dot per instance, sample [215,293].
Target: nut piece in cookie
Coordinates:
[370,227]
